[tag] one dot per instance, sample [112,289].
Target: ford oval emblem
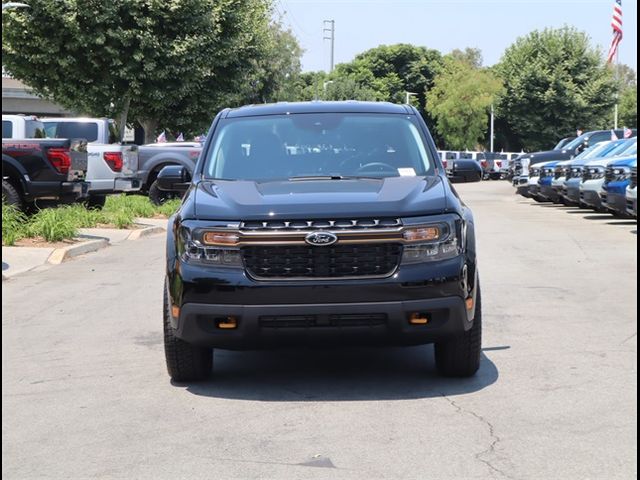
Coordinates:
[321,239]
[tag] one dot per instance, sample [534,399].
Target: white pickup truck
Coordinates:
[113,167]
[22,126]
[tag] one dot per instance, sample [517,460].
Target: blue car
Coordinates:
[571,189]
[617,178]
[546,191]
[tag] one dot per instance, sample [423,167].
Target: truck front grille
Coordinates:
[336,261]
[304,225]
[609,175]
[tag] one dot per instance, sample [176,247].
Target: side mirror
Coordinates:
[174,178]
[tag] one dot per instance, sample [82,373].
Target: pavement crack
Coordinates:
[495,439]
[628,338]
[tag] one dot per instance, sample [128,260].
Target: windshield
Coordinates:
[627,148]
[318,145]
[86,130]
[562,143]
[594,151]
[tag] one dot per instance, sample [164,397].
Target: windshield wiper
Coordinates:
[331,177]
[316,177]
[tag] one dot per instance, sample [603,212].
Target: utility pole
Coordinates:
[331,31]
[491,140]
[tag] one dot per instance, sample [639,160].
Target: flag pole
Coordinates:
[615,110]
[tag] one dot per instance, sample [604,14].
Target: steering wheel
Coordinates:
[376,167]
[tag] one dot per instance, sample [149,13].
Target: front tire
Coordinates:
[11,196]
[159,197]
[460,356]
[185,362]
[95,202]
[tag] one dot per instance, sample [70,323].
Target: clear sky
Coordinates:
[491,25]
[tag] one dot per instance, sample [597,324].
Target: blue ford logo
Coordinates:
[321,239]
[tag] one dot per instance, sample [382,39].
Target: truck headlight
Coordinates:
[210,247]
[433,242]
[621,173]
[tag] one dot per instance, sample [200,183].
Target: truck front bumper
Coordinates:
[549,192]
[263,326]
[364,311]
[615,203]
[591,198]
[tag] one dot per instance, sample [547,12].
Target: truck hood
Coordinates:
[550,155]
[385,197]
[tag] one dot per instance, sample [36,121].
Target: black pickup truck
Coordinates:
[43,169]
[319,222]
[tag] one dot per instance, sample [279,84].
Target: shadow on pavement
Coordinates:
[624,223]
[604,216]
[349,374]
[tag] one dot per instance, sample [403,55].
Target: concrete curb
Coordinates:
[145,232]
[59,255]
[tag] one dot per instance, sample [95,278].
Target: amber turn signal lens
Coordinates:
[424,234]
[470,304]
[175,311]
[220,238]
[227,323]
[418,319]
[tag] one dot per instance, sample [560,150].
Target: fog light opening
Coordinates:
[418,318]
[226,323]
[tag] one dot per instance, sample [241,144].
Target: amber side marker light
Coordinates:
[175,311]
[228,323]
[422,234]
[418,318]
[220,238]
[469,303]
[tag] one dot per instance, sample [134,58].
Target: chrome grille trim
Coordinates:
[320,224]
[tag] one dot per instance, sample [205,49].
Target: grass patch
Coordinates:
[14,224]
[54,224]
[62,223]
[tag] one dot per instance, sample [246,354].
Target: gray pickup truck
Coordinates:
[154,157]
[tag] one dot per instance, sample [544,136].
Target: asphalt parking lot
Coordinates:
[86,393]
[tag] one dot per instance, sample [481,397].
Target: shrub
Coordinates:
[54,224]
[14,224]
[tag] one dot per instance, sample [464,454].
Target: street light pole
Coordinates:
[332,36]
[11,5]
[408,96]
[492,135]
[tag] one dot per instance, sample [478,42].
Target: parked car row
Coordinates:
[467,166]
[600,174]
[109,165]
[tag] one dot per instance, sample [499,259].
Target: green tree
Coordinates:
[392,70]
[169,63]
[628,115]
[275,73]
[459,102]
[470,56]
[555,82]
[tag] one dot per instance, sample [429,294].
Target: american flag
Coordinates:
[627,132]
[614,136]
[616,24]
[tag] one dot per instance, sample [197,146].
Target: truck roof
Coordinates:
[350,106]
[75,119]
